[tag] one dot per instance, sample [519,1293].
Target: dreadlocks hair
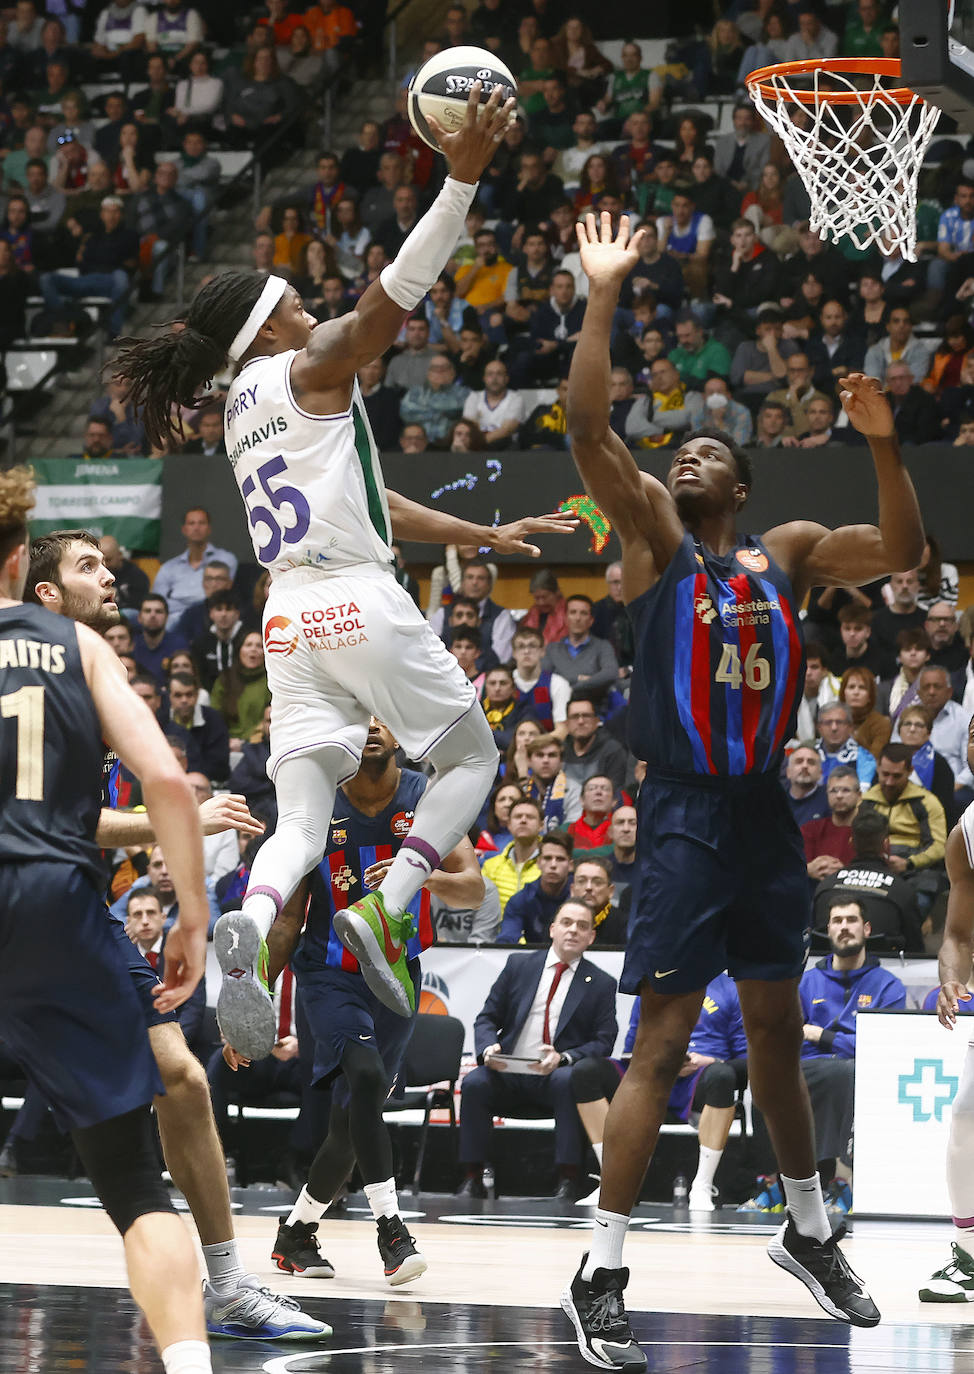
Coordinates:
[171,369]
[16,499]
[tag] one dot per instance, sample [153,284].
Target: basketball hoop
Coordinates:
[856,142]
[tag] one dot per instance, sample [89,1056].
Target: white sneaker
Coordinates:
[701,1198]
[254,1312]
[591,1199]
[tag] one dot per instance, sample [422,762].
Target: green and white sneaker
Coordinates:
[953,1283]
[378,942]
[244,1009]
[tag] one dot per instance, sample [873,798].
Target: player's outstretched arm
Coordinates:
[637,504]
[129,728]
[958,943]
[412,521]
[854,554]
[338,348]
[226,811]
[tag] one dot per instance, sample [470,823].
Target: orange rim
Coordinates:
[873,66]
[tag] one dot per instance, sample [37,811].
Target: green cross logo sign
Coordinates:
[928,1091]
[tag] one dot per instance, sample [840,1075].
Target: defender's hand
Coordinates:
[474,144]
[947,999]
[185,963]
[228,811]
[865,403]
[604,258]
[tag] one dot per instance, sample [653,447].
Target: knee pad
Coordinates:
[468,744]
[120,1159]
[587,1084]
[718,1084]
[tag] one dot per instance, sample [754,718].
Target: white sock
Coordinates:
[383,1198]
[806,1206]
[223,1266]
[187,1357]
[407,874]
[597,1147]
[608,1234]
[262,910]
[706,1168]
[307,1209]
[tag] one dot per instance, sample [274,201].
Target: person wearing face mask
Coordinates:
[732,417]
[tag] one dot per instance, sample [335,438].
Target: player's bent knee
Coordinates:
[119,1157]
[467,744]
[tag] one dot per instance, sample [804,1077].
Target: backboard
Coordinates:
[937,52]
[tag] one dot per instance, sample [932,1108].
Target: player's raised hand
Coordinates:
[947,999]
[865,403]
[229,811]
[606,258]
[472,146]
[510,538]
[185,964]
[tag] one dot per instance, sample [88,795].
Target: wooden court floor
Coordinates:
[704,1295]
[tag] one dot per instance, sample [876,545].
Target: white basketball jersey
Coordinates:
[311,484]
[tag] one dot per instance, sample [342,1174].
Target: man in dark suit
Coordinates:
[552,1007]
[144,921]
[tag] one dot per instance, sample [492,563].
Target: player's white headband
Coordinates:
[267,302]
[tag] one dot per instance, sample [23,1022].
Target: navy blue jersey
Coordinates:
[719,663]
[50,744]
[355,843]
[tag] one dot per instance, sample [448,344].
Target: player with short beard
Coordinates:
[68,575]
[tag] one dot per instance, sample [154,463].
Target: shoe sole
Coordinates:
[700,1206]
[234,1331]
[244,1011]
[925,1295]
[411,1268]
[358,937]
[313,1271]
[570,1310]
[786,1260]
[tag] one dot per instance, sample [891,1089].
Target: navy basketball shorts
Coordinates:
[68,1010]
[339,1007]
[144,977]
[721,883]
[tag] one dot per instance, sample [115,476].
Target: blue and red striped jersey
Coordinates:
[355,843]
[719,663]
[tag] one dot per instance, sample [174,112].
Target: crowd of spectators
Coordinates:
[758,316]
[876,774]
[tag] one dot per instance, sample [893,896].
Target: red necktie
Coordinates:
[287,997]
[558,974]
[153,957]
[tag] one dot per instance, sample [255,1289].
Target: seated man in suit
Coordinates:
[144,922]
[552,1007]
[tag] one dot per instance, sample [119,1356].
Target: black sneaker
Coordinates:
[597,1311]
[400,1258]
[826,1273]
[296,1251]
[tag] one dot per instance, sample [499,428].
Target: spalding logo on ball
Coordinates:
[442,85]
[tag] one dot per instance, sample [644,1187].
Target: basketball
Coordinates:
[441,86]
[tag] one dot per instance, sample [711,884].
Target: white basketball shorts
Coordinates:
[343,647]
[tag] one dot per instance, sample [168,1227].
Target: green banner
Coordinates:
[119,496]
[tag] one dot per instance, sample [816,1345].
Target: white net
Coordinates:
[858,157]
